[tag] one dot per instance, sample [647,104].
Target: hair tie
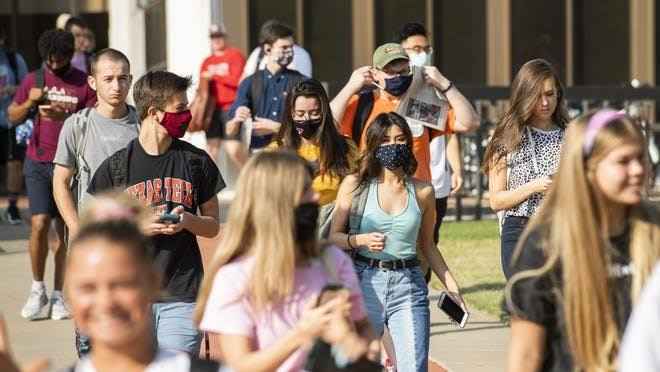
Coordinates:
[597,122]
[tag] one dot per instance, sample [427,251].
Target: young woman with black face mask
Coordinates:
[398,216]
[260,291]
[308,128]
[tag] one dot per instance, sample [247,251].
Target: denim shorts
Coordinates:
[174,327]
[512,229]
[399,299]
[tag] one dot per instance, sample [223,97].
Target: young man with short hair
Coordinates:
[56,90]
[93,134]
[445,149]
[175,179]
[261,95]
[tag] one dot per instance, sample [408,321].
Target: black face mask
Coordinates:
[394,156]
[306,215]
[307,128]
[62,70]
[396,86]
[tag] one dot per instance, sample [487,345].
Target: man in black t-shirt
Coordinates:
[173,177]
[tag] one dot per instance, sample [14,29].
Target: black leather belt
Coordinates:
[390,264]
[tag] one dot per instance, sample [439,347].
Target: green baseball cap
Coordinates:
[387,53]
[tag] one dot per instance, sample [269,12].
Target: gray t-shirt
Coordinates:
[103,137]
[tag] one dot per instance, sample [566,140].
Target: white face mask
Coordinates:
[420,59]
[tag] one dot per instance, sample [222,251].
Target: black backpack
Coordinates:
[119,166]
[365,105]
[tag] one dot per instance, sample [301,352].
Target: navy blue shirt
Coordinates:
[270,105]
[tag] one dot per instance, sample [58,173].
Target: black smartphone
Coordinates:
[169,217]
[447,304]
[327,293]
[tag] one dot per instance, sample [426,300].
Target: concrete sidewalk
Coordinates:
[481,346]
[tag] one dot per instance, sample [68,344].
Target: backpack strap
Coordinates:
[39,78]
[81,120]
[364,107]
[358,204]
[256,90]
[203,365]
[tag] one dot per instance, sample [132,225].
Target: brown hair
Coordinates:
[526,90]
[155,89]
[112,54]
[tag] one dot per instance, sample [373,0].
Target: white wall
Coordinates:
[126,33]
[187,35]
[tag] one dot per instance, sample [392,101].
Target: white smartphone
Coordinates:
[453,310]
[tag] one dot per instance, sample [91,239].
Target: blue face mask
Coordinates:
[394,156]
[396,86]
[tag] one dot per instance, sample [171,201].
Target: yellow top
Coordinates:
[325,184]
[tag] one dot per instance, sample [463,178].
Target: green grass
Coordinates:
[472,252]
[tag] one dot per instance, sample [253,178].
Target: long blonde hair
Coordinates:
[261,224]
[526,90]
[575,236]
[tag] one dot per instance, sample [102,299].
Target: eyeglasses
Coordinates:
[419,49]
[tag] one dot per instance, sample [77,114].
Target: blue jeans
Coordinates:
[399,299]
[512,229]
[174,327]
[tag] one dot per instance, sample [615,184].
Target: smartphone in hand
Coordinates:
[455,312]
[169,218]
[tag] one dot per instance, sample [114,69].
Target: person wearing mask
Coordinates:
[54,91]
[586,254]
[176,180]
[309,129]
[301,61]
[262,288]
[446,162]
[12,70]
[523,153]
[90,136]
[79,28]
[223,69]
[399,216]
[261,96]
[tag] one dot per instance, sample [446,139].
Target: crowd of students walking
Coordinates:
[324,261]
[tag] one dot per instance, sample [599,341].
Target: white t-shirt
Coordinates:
[165,361]
[440,172]
[640,349]
[302,62]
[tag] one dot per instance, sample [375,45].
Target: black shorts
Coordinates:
[9,149]
[217,127]
[39,185]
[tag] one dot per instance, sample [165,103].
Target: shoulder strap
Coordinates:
[358,204]
[364,107]
[256,90]
[39,78]
[203,365]
[82,117]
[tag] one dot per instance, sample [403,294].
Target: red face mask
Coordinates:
[176,123]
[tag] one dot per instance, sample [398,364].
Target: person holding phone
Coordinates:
[586,254]
[53,92]
[171,176]
[261,292]
[399,215]
[524,150]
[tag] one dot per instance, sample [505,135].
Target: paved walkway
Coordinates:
[481,346]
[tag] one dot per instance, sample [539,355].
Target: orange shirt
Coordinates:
[226,72]
[420,149]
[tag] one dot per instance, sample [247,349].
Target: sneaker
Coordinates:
[58,308]
[35,305]
[13,216]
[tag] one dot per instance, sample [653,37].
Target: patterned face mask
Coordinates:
[394,156]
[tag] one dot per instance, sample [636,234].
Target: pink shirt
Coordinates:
[229,312]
